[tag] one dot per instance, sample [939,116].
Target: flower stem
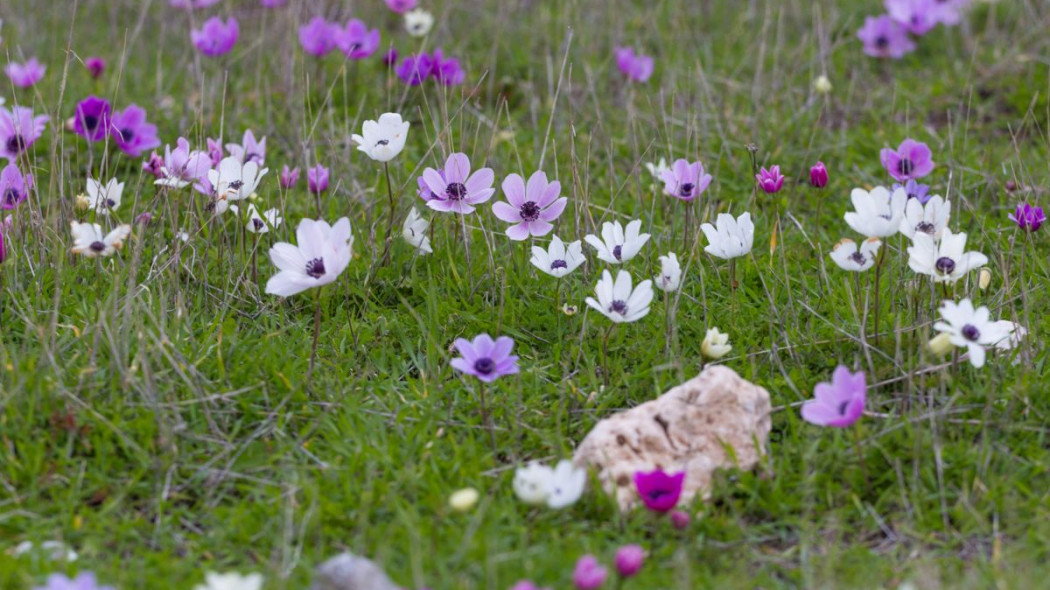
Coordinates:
[390,225]
[878,290]
[860,455]
[605,355]
[317,332]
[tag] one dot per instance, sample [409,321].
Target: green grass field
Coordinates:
[156,412]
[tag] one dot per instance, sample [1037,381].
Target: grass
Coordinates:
[155,412]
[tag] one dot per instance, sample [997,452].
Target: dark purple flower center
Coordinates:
[109,203]
[11,197]
[945,265]
[530,211]
[249,156]
[971,333]
[15,144]
[925,227]
[258,224]
[619,306]
[98,246]
[353,47]
[558,264]
[382,142]
[236,185]
[858,258]
[456,191]
[90,122]
[126,135]
[315,268]
[485,366]
[618,252]
[687,189]
[657,495]
[905,166]
[882,42]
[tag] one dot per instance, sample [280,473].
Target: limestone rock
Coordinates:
[690,428]
[347,571]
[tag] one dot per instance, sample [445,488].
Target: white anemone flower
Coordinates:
[730,237]
[230,581]
[619,301]
[88,239]
[848,257]
[877,214]
[557,260]
[657,169]
[322,254]
[946,260]
[566,485]
[382,140]
[234,181]
[929,219]
[415,232]
[261,223]
[617,245]
[418,22]
[715,345]
[670,277]
[532,483]
[104,198]
[972,329]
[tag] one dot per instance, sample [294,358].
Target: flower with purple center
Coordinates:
[1027,217]
[24,75]
[318,37]
[19,129]
[531,208]
[216,37]
[588,573]
[153,165]
[840,403]
[684,180]
[972,328]
[911,160]
[317,179]
[658,489]
[95,66]
[457,190]
[356,41]
[132,133]
[182,166]
[414,69]
[83,581]
[818,175]
[917,16]
[14,187]
[289,177]
[249,150]
[914,190]
[770,180]
[884,37]
[636,66]
[485,358]
[91,118]
[446,71]
[401,6]
[323,252]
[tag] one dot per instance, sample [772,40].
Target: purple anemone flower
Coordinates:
[25,74]
[91,118]
[771,180]
[132,133]
[14,188]
[685,181]
[531,208]
[917,16]
[917,191]
[484,358]
[317,179]
[1027,217]
[446,71]
[318,37]
[884,37]
[154,165]
[458,190]
[629,560]
[356,41]
[588,573]
[401,6]
[818,175]
[19,129]
[249,150]
[83,581]
[215,151]
[183,166]
[390,58]
[216,37]
[424,191]
[837,404]
[911,160]
[414,69]
[95,66]
[659,490]
[289,177]
[636,66]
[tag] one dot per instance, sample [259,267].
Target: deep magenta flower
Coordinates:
[659,490]
[390,58]
[770,181]
[289,177]
[153,165]
[884,37]
[914,190]
[318,37]
[414,69]
[83,581]
[917,16]
[457,190]
[356,41]
[446,71]
[588,573]
[531,208]
[485,358]
[818,175]
[317,179]
[132,133]
[680,519]
[838,404]
[629,560]
[25,74]
[636,66]
[401,6]
[215,151]
[19,129]
[1027,217]
[91,118]
[216,37]
[685,181]
[14,188]
[910,161]
[95,66]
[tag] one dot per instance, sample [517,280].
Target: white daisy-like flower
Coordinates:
[418,22]
[230,581]
[261,223]
[382,140]
[104,198]
[929,219]
[657,169]
[619,301]
[532,483]
[322,254]
[415,232]
[877,214]
[88,239]
[670,277]
[715,345]
[234,181]
[946,260]
[730,237]
[848,257]
[617,245]
[557,260]
[566,484]
[972,329]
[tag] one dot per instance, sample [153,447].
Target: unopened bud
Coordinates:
[941,344]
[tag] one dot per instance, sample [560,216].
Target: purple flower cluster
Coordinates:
[94,119]
[320,36]
[887,36]
[636,66]
[416,69]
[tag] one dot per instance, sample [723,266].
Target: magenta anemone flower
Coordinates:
[132,133]
[884,37]
[918,16]
[95,66]
[317,179]
[914,190]
[659,490]
[818,175]
[289,177]
[629,560]
[19,129]
[318,37]
[770,181]
[25,74]
[680,519]
[356,41]
[531,208]
[390,58]
[154,165]
[401,6]
[215,151]
[83,581]
[414,69]
[637,67]
[91,118]
[685,181]
[216,37]
[446,71]
[912,160]
[14,188]
[588,574]
[838,404]
[458,190]
[249,150]
[484,358]
[1027,217]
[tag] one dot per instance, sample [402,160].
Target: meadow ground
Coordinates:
[155,408]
